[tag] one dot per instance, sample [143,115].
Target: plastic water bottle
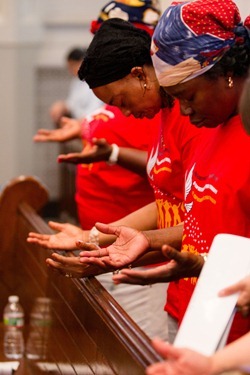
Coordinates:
[40,322]
[13,317]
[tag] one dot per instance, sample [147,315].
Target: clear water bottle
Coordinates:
[13,317]
[40,322]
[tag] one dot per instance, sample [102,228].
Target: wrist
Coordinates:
[147,237]
[113,158]
[94,236]
[204,256]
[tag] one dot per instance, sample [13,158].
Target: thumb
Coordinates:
[165,349]
[171,253]
[86,245]
[99,141]
[107,229]
[64,120]
[56,226]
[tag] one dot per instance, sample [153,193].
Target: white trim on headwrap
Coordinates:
[170,75]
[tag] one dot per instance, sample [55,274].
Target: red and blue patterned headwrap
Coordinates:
[141,13]
[192,36]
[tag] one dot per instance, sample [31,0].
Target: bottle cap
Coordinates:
[44,300]
[13,299]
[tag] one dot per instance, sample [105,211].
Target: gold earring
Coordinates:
[230,82]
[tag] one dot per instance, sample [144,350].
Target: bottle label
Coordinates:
[14,321]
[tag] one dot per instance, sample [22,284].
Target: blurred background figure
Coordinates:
[80,100]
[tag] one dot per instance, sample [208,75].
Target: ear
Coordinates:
[137,72]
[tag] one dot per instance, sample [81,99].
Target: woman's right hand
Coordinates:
[100,151]
[69,129]
[130,244]
[65,239]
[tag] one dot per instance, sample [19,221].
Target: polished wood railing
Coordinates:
[90,332]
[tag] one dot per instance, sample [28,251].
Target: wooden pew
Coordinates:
[90,332]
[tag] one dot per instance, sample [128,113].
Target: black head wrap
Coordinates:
[116,48]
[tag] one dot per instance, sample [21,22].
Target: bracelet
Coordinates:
[94,236]
[114,154]
[204,256]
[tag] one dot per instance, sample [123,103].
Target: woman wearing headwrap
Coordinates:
[120,56]
[207,74]
[109,190]
[244,106]
[235,356]
[201,55]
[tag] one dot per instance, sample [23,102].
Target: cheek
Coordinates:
[134,98]
[206,103]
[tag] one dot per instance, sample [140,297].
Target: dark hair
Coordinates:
[76,54]
[235,61]
[116,48]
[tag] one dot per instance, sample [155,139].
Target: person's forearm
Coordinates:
[133,159]
[233,356]
[170,236]
[144,218]
[150,258]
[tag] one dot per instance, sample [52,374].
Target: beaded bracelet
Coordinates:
[94,236]
[114,154]
[204,256]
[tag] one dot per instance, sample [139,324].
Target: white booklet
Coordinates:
[208,318]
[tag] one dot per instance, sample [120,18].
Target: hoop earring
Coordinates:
[230,82]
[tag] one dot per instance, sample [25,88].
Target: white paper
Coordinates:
[208,315]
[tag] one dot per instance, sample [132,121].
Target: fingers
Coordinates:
[64,271]
[64,121]
[157,369]
[99,141]
[107,229]
[171,254]
[92,254]
[69,158]
[102,263]
[165,349]
[128,276]
[71,266]
[231,289]
[144,277]
[40,239]
[86,246]
[122,278]
[55,265]
[44,131]
[38,236]
[65,260]
[58,227]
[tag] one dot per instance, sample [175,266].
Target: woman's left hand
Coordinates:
[243,288]
[180,361]
[70,266]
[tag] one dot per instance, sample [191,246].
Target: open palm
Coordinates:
[129,246]
[65,239]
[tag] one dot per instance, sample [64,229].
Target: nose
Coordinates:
[186,109]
